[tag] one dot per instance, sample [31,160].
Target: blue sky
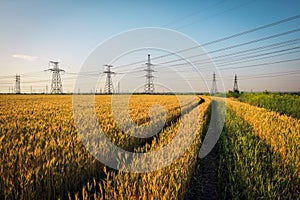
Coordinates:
[34,32]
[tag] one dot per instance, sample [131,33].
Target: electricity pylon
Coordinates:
[214,89]
[235,85]
[149,85]
[56,85]
[108,84]
[18,88]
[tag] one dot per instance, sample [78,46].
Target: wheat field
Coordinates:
[43,157]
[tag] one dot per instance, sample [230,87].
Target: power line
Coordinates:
[217,14]
[194,13]
[261,64]
[261,57]
[222,39]
[296,72]
[255,50]
[237,60]
[231,61]
[245,61]
[254,76]
[237,45]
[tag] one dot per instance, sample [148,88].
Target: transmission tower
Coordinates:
[149,85]
[56,85]
[17,87]
[108,83]
[214,89]
[235,85]
[119,87]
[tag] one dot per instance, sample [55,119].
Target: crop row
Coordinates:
[259,154]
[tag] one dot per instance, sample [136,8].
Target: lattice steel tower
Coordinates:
[56,85]
[214,89]
[108,84]
[235,85]
[149,85]
[18,88]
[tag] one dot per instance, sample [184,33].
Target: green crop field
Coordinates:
[283,103]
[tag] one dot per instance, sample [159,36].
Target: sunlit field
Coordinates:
[43,157]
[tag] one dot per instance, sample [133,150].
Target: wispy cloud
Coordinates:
[25,57]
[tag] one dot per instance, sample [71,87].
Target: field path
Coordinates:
[204,182]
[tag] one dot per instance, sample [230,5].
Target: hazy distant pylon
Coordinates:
[235,85]
[108,84]
[214,89]
[149,85]
[18,87]
[56,85]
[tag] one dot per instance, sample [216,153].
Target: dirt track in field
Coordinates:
[204,183]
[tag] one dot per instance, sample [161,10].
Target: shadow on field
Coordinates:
[249,168]
[242,166]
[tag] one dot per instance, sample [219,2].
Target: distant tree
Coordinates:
[235,94]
